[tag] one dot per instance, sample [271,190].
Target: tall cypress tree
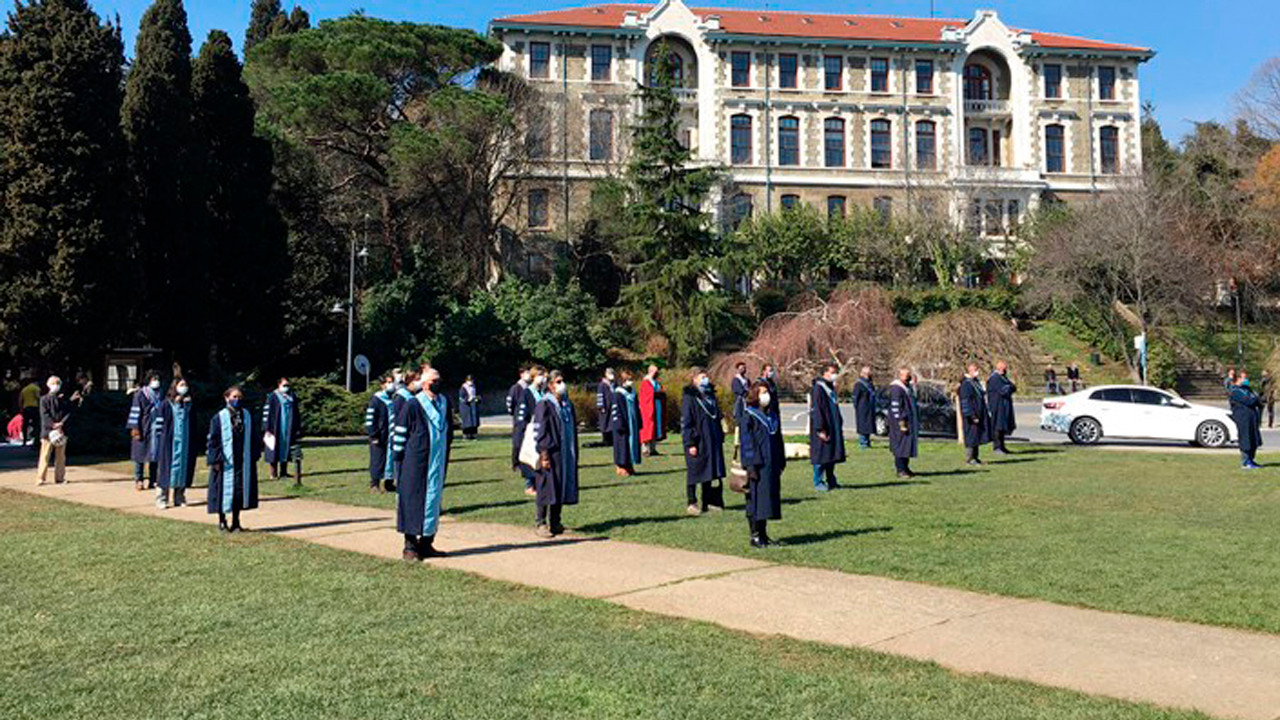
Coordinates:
[264,16]
[250,264]
[62,223]
[156,117]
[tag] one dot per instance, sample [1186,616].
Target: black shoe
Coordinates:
[833,485]
[237,528]
[557,529]
[758,542]
[431,551]
[973,461]
[410,555]
[222,527]
[390,486]
[906,475]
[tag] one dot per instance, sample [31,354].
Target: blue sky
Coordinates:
[1207,50]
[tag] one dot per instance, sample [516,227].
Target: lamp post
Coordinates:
[351,297]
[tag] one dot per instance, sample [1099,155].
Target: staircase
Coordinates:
[1199,382]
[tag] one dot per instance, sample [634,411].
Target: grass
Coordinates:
[108,615]
[1180,535]
[1221,344]
[1054,340]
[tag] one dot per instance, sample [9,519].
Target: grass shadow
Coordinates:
[507,547]
[875,486]
[949,473]
[602,528]
[320,524]
[464,509]
[814,538]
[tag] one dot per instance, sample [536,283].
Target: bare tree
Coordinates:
[1258,104]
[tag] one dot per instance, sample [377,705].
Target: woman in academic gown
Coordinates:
[826,430]
[377,425]
[904,423]
[702,435]
[556,433]
[408,387]
[1000,390]
[176,459]
[764,458]
[423,436]
[652,396]
[282,419]
[144,410]
[974,415]
[624,422]
[1246,409]
[604,406]
[232,453]
[469,408]
[864,407]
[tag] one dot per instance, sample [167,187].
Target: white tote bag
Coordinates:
[529,448]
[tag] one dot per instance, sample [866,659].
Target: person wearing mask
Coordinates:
[904,423]
[739,385]
[864,407]
[55,410]
[232,453]
[378,427]
[406,388]
[469,408]
[282,425]
[144,410]
[974,415]
[625,424]
[764,458]
[176,456]
[422,440]
[604,406]
[515,407]
[1000,391]
[556,435]
[702,435]
[826,430]
[524,415]
[1246,409]
[652,430]
[769,376]
[29,408]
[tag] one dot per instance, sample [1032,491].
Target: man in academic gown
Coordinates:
[974,415]
[232,453]
[282,420]
[652,430]
[624,422]
[469,408]
[378,425]
[1000,390]
[407,388]
[515,398]
[702,435]
[176,455]
[604,406]
[424,433]
[525,408]
[144,410]
[739,386]
[1246,410]
[826,430]
[864,407]
[556,434]
[904,423]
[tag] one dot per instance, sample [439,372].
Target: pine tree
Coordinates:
[262,18]
[250,264]
[156,117]
[62,229]
[299,19]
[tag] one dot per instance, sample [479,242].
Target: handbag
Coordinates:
[738,480]
[57,438]
[528,448]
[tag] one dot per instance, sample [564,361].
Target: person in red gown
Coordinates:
[651,400]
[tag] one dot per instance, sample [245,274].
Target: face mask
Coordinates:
[561,389]
[764,399]
[831,379]
[182,390]
[155,384]
[284,388]
[415,386]
[704,383]
[609,377]
[55,388]
[233,402]
[627,384]
[398,378]
[540,381]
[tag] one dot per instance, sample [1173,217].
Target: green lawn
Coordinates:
[1056,341]
[1181,535]
[107,615]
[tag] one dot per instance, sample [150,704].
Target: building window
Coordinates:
[790,202]
[1106,83]
[537,140]
[977,82]
[741,63]
[879,75]
[601,63]
[881,144]
[539,214]
[1013,217]
[993,217]
[835,206]
[1055,149]
[883,207]
[739,210]
[924,77]
[788,140]
[926,145]
[832,72]
[740,140]
[978,146]
[787,71]
[1109,149]
[677,70]
[1053,82]
[833,142]
[601,132]
[539,60]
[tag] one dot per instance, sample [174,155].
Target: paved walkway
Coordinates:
[1225,673]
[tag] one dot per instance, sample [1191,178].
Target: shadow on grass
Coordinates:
[1037,451]
[621,483]
[814,538]
[946,473]
[875,486]
[604,527]
[513,479]
[464,509]
[506,547]
[320,524]
[1012,461]
[319,473]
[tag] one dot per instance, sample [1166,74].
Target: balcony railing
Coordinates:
[986,107]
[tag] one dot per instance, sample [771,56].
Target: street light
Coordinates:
[351,296]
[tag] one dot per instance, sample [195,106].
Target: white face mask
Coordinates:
[182,390]
[540,381]
[55,387]
[155,384]
[561,389]
[284,388]
[415,386]
[764,399]
[398,378]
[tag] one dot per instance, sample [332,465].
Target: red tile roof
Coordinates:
[799,24]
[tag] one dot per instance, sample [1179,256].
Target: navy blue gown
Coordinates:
[764,455]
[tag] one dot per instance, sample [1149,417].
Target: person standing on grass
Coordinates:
[54,412]
[604,406]
[232,452]
[176,454]
[864,407]
[1269,397]
[469,408]
[407,387]
[423,436]
[769,376]
[904,423]
[764,458]
[1246,409]
[625,424]
[282,423]
[974,415]
[525,408]
[652,430]
[1000,391]
[739,385]
[515,400]
[556,433]
[144,410]
[378,425]
[702,435]
[826,430]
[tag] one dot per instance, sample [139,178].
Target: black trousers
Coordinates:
[759,528]
[418,543]
[997,442]
[235,518]
[712,493]
[971,453]
[549,515]
[901,464]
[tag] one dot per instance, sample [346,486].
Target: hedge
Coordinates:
[912,307]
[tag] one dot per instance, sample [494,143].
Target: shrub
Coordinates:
[944,344]
[328,410]
[584,404]
[1162,365]
[913,307]
[1093,324]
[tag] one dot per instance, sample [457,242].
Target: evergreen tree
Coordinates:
[299,20]
[62,225]
[156,117]
[250,264]
[262,18]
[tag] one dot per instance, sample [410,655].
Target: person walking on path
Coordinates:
[54,412]
[826,430]
[974,415]
[1000,391]
[378,416]
[764,458]
[604,406]
[556,434]
[904,423]
[1246,409]
[232,453]
[423,435]
[144,410]
[652,429]
[29,408]
[702,436]
[864,407]
[469,408]
[625,424]
[282,428]
[176,455]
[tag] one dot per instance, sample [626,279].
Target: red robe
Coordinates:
[651,425]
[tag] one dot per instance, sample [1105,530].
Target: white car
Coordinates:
[1135,412]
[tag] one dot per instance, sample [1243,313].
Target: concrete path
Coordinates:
[1225,673]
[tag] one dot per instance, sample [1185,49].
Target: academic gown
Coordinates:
[1000,390]
[377,425]
[739,386]
[974,413]
[604,408]
[556,432]
[144,410]
[398,400]
[824,416]
[237,452]
[625,425]
[468,407]
[518,398]
[774,408]
[652,428]
[764,456]
[422,437]
[864,406]
[1246,407]
[902,407]
[176,463]
[282,418]
[700,427]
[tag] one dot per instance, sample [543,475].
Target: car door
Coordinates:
[1160,416]
[1115,410]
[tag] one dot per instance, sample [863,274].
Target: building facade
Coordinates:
[973,118]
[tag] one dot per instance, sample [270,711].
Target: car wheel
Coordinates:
[1211,434]
[882,425]
[1085,431]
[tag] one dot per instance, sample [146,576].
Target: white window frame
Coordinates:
[1064,83]
[1067,144]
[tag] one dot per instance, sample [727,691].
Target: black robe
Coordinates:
[144,410]
[624,423]
[557,485]
[517,396]
[243,491]
[739,386]
[398,399]
[419,449]
[176,459]
[1246,409]
[1000,390]
[973,412]
[700,427]
[468,408]
[377,425]
[864,406]
[274,422]
[902,410]
[824,416]
[764,456]
[604,407]
[774,408]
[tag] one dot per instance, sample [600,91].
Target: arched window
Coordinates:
[740,139]
[977,82]
[790,202]
[881,143]
[789,140]
[833,142]
[926,145]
